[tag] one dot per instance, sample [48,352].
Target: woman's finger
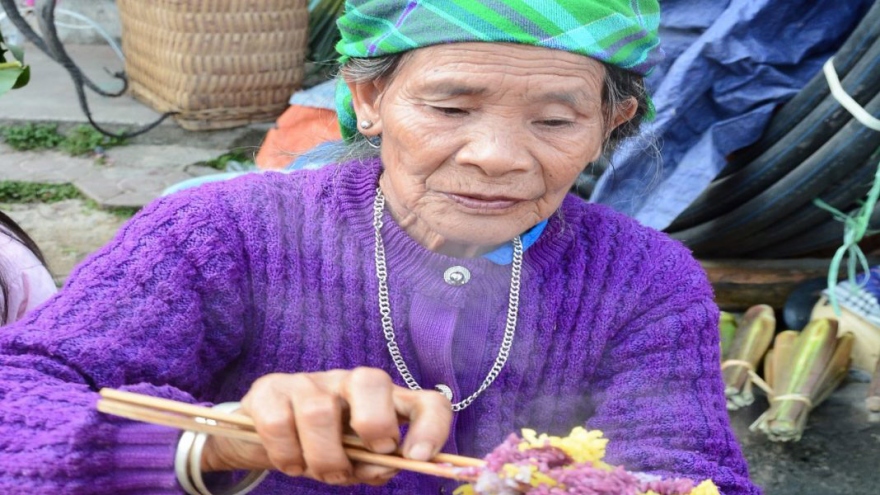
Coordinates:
[268,404]
[372,474]
[317,409]
[226,454]
[368,392]
[430,416]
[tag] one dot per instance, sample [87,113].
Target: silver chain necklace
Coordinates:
[388,327]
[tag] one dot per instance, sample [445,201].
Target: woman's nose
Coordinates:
[496,150]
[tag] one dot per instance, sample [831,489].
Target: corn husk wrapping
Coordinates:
[752,337]
[873,400]
[781,355]
[768,364]
[836,370]
[806,369]
[726,330]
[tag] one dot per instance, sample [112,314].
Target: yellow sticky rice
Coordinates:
[582,446]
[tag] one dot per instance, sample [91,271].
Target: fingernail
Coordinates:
[383,446]
[294,470]
[387,476]
[423,451]
[336,478]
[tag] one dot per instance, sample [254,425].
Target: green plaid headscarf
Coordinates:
[622,33]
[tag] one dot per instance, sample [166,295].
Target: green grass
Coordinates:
[120,212]
[32,136]
[85,139]
[30,192]
[223,160]
[81,140]
[33,192]
[124,213]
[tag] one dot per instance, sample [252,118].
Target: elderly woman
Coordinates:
[451,259]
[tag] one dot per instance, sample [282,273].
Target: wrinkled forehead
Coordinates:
[486,69]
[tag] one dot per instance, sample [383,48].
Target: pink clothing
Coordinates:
[28,283]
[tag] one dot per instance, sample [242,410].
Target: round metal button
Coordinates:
[457,275]
[445,390]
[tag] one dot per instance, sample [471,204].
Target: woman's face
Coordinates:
[482,141]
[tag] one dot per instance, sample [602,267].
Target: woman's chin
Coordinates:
[471,243]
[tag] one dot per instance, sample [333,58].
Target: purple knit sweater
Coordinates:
[205,291]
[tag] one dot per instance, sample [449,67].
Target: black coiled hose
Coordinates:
[725,195]
[842,196]
[834,160]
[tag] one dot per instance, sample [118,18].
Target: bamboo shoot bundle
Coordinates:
[806,368]
[750,342]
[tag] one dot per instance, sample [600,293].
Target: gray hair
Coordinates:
[621,85]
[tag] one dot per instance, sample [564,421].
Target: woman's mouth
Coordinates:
[484,203]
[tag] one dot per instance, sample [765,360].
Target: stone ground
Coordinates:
[131,176]
[839,455]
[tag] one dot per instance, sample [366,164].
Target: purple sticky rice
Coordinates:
[573,478]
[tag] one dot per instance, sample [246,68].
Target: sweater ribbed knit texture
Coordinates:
[207,290]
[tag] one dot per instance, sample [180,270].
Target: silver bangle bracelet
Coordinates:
[181,462]
[188,462]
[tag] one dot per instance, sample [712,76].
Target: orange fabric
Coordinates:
[299,129]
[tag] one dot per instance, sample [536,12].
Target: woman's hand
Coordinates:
[301,419]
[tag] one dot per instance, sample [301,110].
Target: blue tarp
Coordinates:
[729,65]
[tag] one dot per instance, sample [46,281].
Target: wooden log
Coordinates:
[742,283]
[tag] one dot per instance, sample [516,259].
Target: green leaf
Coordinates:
[17,52]
[9,79]
[13,73]
[24,78]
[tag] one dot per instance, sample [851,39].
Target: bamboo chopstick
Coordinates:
[175,407]
[183,423]
[194,418]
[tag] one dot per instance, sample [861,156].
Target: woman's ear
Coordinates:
[624,112]
[366,98]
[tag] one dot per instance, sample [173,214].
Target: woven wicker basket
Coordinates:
[219,63]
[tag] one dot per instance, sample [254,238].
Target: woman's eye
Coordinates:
[555,123]
[451,111]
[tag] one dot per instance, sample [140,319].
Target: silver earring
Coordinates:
[366,124]
[374,142]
